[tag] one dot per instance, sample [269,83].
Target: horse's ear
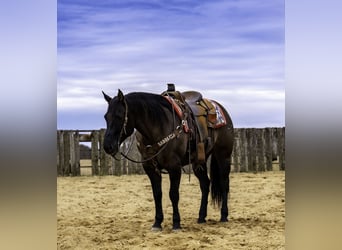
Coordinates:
[106,97]
[121,95]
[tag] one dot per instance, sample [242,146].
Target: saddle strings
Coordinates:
[189,136]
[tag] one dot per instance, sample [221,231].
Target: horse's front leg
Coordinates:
[175,177]
[155,179]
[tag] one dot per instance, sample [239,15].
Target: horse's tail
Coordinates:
[216,189]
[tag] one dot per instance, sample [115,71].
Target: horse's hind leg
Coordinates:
[201,174]
[224,182]
[220,170]
[175,177]
[155,179]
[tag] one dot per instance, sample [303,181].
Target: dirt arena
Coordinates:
[117,213]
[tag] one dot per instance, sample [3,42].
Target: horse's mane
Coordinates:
[152,104]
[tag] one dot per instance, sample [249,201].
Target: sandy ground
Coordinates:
[117,213]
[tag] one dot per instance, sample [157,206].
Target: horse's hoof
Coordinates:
[201,221]
[176,227]
[176,230]
[156,229]
[224,220]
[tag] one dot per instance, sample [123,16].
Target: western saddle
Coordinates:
[203,114]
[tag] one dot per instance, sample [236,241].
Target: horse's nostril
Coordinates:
[108,148]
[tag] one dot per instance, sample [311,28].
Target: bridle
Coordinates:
[123,129]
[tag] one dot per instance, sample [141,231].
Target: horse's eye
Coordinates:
[106,116]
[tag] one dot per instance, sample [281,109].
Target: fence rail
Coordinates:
[255,150]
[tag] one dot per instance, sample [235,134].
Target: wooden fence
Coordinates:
[255,149]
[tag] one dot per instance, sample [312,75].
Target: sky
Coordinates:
[231,51]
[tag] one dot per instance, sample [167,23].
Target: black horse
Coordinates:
[165,146]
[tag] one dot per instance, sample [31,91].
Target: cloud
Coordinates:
[216,47]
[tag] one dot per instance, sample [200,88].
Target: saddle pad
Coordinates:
[175,106]
[179,112]
[220,117]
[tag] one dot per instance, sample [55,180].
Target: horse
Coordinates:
[164,146]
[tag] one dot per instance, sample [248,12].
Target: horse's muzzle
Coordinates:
[110,148]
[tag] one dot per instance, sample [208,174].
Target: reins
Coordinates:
[162,144]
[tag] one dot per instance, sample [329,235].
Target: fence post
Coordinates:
[74,153]
[76,164]
[281,147]
[110,164]
[251,141]
[123,169]
[260,148]
[66,147]
[236,151]
[103,157]
[268,149]
[60,153]
[244,159]
[117,167]
[95,152]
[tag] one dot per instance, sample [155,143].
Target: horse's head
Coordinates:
[118,128]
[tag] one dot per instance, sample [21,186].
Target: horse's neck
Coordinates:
[150,130]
